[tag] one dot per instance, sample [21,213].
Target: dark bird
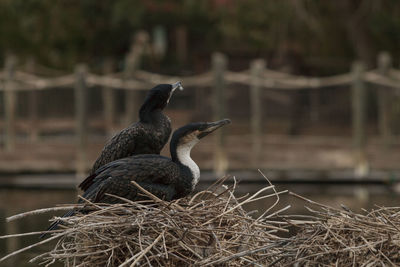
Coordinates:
[166,178]
[147,136]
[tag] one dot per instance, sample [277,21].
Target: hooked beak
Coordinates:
[212,126]
[177,85]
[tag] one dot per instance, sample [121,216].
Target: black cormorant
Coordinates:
[147,136]
[166,178]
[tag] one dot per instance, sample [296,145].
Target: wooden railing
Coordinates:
[257,77]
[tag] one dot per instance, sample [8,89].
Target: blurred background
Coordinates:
[312,89]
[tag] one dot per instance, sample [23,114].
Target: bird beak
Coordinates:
[212,126]
[177,85]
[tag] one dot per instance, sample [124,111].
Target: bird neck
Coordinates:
[181,155]
[149,115]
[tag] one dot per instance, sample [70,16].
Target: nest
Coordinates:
[341,237]
[207,229]
[211,228]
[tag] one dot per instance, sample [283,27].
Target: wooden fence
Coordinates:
[258,77]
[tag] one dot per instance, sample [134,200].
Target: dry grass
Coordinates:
[341,237]
[209,228]
[212,229]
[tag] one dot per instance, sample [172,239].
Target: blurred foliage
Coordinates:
[60,33]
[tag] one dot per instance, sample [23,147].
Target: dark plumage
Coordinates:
[167,178]
[115,177]
[147,136]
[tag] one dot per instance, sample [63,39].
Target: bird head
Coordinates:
[190,134]
[158,98]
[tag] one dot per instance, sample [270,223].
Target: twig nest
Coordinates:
[206,229]
[341,237]
[212,229]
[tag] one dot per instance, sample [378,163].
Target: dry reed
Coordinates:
[211,228]
[341,237]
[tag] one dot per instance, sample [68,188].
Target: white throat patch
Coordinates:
[183,154]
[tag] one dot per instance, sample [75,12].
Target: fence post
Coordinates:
[219,64]
[359,119]
[33,106]
[384,101]
[181,43]
[10,99]
[108,100]
[81,118]
[256,68]
[132,63]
